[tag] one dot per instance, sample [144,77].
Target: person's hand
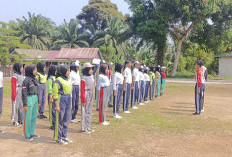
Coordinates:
[25,108]
[132,88]
[58,108]
[138,88]
[50,99]
[199,91]
[115,93]
[124,89]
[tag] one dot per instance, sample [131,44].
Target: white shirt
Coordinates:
[118,79]
[127,74]
[136,74]
[141,76]
[1,79]
[75,78]
[103,81]
[146,77]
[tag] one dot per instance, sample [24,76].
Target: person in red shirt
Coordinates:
[163,80]
[200,86]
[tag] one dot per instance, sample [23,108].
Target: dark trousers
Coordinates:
[199,98]
[135,94]
[147,83]
[64,116]
[141,91]
[75,101]
[42,98]
[126,97]
[117,99]
[52,112]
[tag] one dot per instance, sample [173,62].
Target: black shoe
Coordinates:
[52,128]
[161,94]
[197,114]
[110,106]
[44,116]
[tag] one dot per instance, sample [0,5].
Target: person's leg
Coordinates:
[83,116]
[67,116]
[136,92]
[27,118]
[115,102]
[162,87]
[119,96]
[146,90]
[203,97]
[110,95]
[101,106]
[50,105]
[13,111]
[89,110]
[40,98]
[105,102]
[1,100]
[61,117]
[44,98]
[195,92]
[154,86]
[53,114]
[20,112]
[128,96]
[124,99]
[139,95]
[56,131]
[34,114]
[132,97]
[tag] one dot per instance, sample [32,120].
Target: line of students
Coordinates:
[64,86]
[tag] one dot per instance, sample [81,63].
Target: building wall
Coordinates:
[225,66]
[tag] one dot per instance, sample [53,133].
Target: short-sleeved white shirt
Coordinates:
[136,74]
[141,76]
[127,74]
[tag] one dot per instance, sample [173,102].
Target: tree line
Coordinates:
[172,33]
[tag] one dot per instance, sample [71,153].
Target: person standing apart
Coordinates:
[75,80]
[147,83]
[127,86]
[62,97]
[1,97]
[118,88]
[30,102]
[87,96]
[110,74]
[51,80]
[199,87]
[158,81]
[16,96]
[41,76]
[163,80]
[135,82]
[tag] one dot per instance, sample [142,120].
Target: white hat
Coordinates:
[77,63]
[87,65]
[136,62]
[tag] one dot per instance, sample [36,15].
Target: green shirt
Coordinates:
[152,77]
[50,84]
[42,78]
[66,85]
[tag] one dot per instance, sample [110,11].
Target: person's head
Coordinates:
[198,64]
[31,71]
[102,62]
[18,68]
[110,65]
[127,64]
[75,66]
[136,64]
[52,71]
[64,71]
[152,68]
[163,69]
[104,69]
[87,69]
[119,68]
[157,68]
[141,68]
[145,70]
[41,67]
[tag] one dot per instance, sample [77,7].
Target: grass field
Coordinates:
[164,127]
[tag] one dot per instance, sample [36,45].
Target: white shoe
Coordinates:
[118,117]
[141,104]
[135,108]
[67,140]
[146,101]
[203,110]
[106,123]
[61,142]
[127,112]
[74,121]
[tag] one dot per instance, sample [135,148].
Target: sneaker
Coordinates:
[110,106]
[196,113]
[16,124]
[61,142]
[135,108]
[30,139]
[106,123]
[67,140]
[118,117]
[35,137]
[161,94]
[203,110]
[127,112]
[74,121]
[2,132]
[43,116]
[85,132]
[52,128]
[141,104]
[146,101]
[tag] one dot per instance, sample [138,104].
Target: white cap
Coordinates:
[87,65]
[77,63]
[96,61]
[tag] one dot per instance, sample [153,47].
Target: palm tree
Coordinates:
[36,31]
[71,36]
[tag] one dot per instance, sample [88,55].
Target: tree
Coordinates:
[70,36]
[36,31]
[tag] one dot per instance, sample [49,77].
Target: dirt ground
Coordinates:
[164,127]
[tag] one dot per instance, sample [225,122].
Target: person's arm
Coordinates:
[13,87]
[25,93]
[55,94]
[151,78]
[199,80]
[83,96]
[49,88]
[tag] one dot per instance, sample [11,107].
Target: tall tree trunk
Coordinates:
[177,57]
[161,53]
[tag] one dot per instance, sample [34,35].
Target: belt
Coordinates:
[76,85]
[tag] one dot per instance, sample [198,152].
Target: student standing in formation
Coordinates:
[110,74]
[158,81]
[51,79]
[199,87]
[1,97]
[16,96]
[127,86]
[152,82]
[75,80]
[147,83]
[103,93]
[87,96]
[163,80]
[62,97]
[141,85]
[135,82]
[41,76]
[30,102]
[118,88]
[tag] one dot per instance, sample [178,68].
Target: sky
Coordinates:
[56,10]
